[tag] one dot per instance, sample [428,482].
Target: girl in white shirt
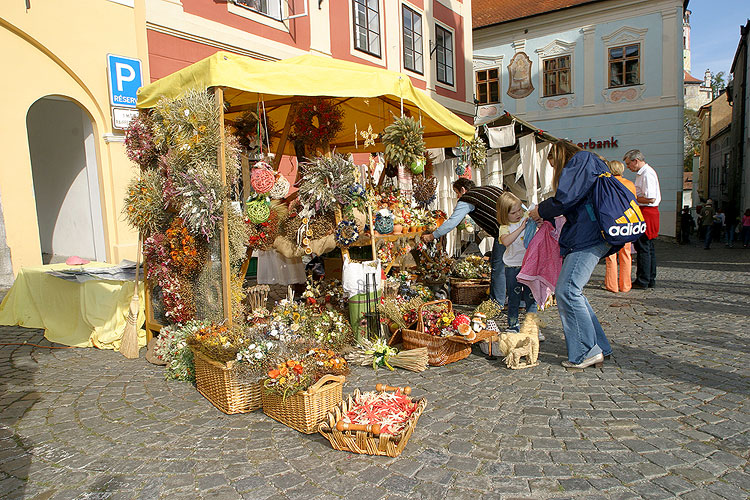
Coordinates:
[513,219]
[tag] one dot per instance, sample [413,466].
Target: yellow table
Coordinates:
[88,314]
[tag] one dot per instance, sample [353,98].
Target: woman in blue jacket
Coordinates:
[581,245]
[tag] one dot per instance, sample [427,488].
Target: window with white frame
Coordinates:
[367,26]
[270,8]
[488,86]
[624,65]
[412,22]
[556,76]
[444,54]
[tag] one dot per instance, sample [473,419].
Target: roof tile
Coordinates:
[488,12]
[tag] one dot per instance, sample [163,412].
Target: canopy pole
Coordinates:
[222,162]
[285,135]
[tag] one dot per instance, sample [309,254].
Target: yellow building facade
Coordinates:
[64,170]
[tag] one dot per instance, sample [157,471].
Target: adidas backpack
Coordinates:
[617,211]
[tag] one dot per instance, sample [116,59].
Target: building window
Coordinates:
[556,76]
[624,65]
[488,86]
[367,26]
[270,8]
[444,48]
[412,40]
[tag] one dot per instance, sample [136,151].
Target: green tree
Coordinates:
[692,138]
[717,83]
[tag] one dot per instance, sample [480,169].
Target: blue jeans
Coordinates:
[516,291]
[709,236]
[583,333]
[497,275]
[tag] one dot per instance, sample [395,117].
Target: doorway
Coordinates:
[62,147]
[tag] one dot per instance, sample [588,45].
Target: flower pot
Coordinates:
[397,228]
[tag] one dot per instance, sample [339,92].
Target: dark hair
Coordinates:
[560,154]
[463,183]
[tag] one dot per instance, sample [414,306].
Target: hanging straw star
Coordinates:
[369,136]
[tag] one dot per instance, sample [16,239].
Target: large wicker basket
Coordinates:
[440,350]
[365,442]
[305,410]
[218,383]
[469,292]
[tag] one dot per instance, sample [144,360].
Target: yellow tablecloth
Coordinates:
[88,314]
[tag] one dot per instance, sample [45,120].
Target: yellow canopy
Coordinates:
[369,96]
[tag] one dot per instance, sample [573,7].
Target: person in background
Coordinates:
[718,227]
[746,229]
[648,195]
[581,245]
[687,223]
[730,225]
[611,281]
[481,203]
[707,221]
[513,219]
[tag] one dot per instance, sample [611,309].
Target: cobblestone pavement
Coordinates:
[669,416]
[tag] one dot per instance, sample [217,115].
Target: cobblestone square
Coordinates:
[668,416]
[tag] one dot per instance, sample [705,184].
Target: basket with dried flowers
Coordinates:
[431,326]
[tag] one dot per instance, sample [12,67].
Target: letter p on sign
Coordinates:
[125,79]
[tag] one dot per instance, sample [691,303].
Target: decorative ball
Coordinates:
[461,319]
[262,180]
[280,189]
[257,211]
[460,168]
[417,167]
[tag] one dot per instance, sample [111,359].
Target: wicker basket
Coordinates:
[218,383]
[440,350]
[305,410]
[363,442]
[469,292]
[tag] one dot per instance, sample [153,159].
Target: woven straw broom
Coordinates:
[129,346]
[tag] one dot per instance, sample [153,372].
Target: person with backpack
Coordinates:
[611,281]
[582,245]
[648,194]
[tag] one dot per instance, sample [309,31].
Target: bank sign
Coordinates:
[125,78]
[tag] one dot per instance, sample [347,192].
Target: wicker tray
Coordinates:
[469,292]
[365,442]
[305,410]
[440,350]
[218,383]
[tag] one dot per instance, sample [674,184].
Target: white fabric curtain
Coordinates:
[529,166]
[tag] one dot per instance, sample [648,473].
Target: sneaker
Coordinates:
[542,338]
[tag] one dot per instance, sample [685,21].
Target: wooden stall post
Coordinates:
[222,162]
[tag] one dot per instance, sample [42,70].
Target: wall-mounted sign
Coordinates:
[121,118]
[599,144]
[125,78]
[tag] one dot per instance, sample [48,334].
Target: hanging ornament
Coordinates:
[262,179]
[369,136]
[460,168]
[280,188]
[403,141]
[417,166]
[257,211]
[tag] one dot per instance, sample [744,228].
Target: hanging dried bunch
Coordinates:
[208,289]
[139,142]
[238,234]
[317,122]
[403,141]
[186,256]
[201,197]
[263,235]
[326,182]
[144,203]
[425,190]
[478,153]
[189,124]
[253,134]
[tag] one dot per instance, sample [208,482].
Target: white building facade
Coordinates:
[606,75]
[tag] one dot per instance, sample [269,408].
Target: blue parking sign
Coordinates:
[125,79]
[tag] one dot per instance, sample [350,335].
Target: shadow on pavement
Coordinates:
[17,396]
